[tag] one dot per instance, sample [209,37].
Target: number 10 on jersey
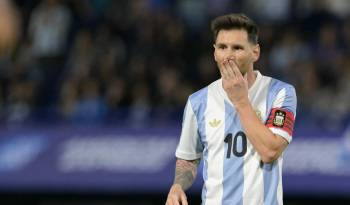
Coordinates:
[233,144]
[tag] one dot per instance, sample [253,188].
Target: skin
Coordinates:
[185,173]
[235,56]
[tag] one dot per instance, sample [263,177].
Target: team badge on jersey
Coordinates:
[279,118]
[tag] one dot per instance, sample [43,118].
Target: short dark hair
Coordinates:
[235,21]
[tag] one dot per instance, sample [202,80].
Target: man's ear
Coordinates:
[256,52]
[214,52]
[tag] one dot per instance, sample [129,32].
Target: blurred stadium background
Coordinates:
[92,94]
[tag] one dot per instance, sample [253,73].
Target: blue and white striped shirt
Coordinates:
[233,172]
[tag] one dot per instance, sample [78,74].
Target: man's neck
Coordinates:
[251,77]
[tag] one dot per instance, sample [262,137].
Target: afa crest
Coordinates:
[279,118]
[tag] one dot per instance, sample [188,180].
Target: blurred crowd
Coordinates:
[104,60]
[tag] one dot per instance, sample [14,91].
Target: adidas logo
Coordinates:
[214,122]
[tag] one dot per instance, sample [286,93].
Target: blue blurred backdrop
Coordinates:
[92,94]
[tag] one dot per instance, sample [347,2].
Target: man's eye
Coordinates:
[238,47]
[222,47]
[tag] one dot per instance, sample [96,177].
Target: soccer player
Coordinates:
[239,125]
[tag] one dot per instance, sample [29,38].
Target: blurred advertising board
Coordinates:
[120,160]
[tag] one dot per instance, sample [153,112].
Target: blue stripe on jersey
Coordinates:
[233,176]
[271,178]
[271,171]
[199,104]
[290,100]
[275,87]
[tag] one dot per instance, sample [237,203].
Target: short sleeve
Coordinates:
[283,112]
[190,146]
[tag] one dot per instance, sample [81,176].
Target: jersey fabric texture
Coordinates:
[233,172]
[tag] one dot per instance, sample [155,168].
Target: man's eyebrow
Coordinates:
[238,45]
[221,44]
[230,45]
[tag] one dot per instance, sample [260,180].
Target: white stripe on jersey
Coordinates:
[215,139]
[253,180]
[186,150]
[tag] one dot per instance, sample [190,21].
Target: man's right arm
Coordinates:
[185,174]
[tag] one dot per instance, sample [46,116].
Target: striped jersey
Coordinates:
[233,172]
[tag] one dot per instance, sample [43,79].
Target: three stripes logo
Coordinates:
[214,122]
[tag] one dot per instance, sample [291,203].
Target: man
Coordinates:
[240,125]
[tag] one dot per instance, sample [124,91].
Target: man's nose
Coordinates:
[231,54]
[230,57]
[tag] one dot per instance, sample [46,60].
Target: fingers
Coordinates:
[172,201]
[230,70]
[183,200]
[177,199]
[227,70]
[224,73]
[233,66]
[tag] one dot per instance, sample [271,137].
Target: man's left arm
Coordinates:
[268,142]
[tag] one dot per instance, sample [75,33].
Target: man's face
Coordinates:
[233,44]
